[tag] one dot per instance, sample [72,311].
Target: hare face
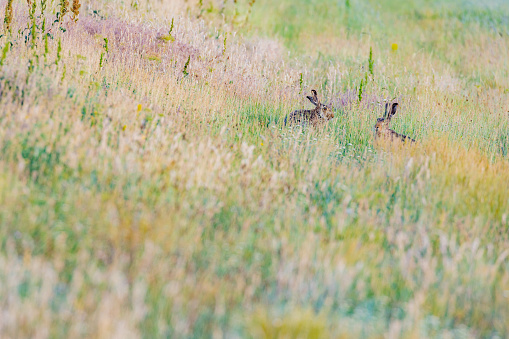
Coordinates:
[380,125]
[326,112]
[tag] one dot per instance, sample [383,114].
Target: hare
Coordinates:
[382,130]
[320,114]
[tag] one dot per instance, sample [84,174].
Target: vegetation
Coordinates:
[149,186]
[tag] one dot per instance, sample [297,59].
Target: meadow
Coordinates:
[150,188]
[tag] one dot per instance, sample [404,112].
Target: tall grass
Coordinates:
[149,187]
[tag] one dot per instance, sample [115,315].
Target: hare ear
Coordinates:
[312,100]
[393,110]
[385,114]
[315,96]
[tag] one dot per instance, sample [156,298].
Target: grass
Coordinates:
[150,188]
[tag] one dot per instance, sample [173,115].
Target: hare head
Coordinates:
[382,124]
[324,111]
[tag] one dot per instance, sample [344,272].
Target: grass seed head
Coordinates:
[64,8]
[75,9]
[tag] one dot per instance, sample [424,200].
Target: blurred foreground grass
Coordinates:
[149,188]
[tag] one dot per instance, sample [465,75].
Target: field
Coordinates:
[150,188]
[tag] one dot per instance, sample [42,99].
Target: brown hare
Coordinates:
[317,116]
[382,130]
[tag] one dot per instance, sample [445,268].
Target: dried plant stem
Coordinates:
[8,16]
[75,9]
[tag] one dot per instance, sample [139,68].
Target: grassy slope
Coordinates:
[214,219]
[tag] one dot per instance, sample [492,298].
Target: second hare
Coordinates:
[320,114]
[382,130]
